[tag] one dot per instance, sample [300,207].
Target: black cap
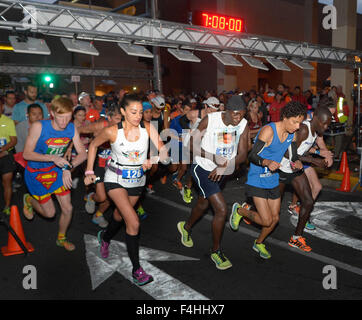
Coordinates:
[236,103]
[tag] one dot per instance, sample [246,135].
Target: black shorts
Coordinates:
[287,178]
[133,192]
[251,191]
[7,164]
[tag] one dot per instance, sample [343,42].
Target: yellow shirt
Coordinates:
[7,130]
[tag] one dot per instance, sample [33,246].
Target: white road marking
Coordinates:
[324,217]
[164,286]
[276,242]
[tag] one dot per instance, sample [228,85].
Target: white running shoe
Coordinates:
[90,205]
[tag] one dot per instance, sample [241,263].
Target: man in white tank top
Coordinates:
[306,137]
[223,137]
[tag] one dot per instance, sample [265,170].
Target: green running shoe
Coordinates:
[185,235]
[6,210]
[221,262]
[187,195]
[142,214]
[260,248]
[235,218]
[310,226]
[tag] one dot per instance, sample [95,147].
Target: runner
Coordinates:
[179,161]
[305,137]
[316,186]
[223,138]
[47,172]
[161,120]
[8,141]
[104,151]
[191,121]
[124,178]
[263,179]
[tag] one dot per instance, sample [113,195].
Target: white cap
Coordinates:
[212,102]
[82,95]
[159,102]
[193,100]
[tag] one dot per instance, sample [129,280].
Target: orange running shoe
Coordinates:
[177,184]
[294,209]
[163,179]
[300,244]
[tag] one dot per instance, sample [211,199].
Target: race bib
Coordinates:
[57,146]
[132,174]
[2,142]
[225,152]
[266,173]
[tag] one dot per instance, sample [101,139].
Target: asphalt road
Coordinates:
[188,273]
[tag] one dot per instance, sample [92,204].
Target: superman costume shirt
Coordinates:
[45,178]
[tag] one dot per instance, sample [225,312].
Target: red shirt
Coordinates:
[300,98]
[274,111]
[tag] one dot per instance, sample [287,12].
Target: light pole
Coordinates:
[157,84]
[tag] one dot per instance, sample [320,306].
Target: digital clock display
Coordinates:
[217,21]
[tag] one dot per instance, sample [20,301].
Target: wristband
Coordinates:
[317,151]
[66,167]
[89,172]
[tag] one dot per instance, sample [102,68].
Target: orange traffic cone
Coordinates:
[346,183]
[344,163]
[13,247]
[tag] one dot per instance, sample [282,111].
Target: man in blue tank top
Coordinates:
[262,184]
[47,171]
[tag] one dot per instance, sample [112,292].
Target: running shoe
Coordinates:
[27,207]
[104,249]
[140,277]
[310,226]
[149,189]
[65,244]
[174,176]
[294,209]
[100,221]
[187,195]
[163,179]
[177,184]
[6,210]
[185,235]
[142,214]
[260,248]
[235,217]
[221,262]
[300,244]
[90,205]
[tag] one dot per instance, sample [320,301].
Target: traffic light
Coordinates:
[48,80]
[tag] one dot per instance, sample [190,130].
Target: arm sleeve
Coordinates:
[254,153]
[295,155]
